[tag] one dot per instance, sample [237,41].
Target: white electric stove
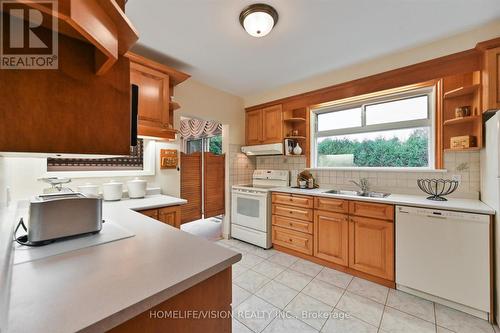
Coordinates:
[251,207]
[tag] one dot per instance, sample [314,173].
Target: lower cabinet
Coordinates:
[169,215]
[356,235]
[371,246]
[331,237]
[294,240]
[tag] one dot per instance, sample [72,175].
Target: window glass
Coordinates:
[395,111]
[215,144]
[393,148]
[339,119]
[194,146]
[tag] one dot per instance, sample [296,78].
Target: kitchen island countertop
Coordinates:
[96,288]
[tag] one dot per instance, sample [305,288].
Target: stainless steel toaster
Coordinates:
[60,215]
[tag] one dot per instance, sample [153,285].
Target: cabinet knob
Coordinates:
[290,240]
[291,224]
[291,212]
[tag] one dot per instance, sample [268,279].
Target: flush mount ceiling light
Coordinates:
[258,19]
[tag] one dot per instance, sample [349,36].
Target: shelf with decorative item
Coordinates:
[295,137]
[461,118]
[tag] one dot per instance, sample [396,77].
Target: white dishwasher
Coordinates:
[444,256]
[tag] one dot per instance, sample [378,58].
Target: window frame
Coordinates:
[367,100]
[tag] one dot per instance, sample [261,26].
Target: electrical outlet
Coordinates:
[458,178]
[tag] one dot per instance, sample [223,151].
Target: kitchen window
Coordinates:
[388,131]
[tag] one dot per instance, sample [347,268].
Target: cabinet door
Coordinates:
[171,216]
[331,237]
[272,129]
[153,96]
[491,79]
[152,213]
[253,129]
[371,246]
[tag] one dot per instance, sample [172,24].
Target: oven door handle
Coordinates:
[252,194]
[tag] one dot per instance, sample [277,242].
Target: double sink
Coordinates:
[359,193]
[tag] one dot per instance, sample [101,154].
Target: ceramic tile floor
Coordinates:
[274,292]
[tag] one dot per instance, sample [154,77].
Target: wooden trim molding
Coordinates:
[174,75]
[461,62]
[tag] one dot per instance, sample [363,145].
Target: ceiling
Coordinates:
[204,37]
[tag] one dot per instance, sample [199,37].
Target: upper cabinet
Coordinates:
[491,79]
[264,125]
[156,86]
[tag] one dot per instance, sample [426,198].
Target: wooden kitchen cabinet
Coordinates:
[264,126]
[293,200]
[370,209]
[331,237]
[170,215]
[154,95]
[156,86]
[491,79]
[272,127]
[297,241]
[152,213]
[371,246]
[253,121]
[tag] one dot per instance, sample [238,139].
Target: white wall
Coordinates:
[198,100]
[454,44]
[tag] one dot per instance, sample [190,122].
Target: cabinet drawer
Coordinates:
[372,210]
[293,200]
[293,212]
[293,240]
[293,224]
[333,205]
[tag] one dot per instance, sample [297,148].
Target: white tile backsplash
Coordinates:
[389,181]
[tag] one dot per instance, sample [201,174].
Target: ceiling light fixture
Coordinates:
[258,19]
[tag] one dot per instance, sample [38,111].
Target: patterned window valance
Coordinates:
[130,162]
[196,128]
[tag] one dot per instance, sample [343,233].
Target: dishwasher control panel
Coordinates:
[439,213]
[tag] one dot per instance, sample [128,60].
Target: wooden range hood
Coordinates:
[83,106]
[101,23]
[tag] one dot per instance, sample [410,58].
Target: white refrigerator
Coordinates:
[490,188]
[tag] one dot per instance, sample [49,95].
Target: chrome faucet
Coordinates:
[363,184]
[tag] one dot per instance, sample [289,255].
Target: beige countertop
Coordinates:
[96,288]
[455,204]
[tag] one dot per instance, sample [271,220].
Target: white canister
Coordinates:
[88,190]
[112,191]
[136,188]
